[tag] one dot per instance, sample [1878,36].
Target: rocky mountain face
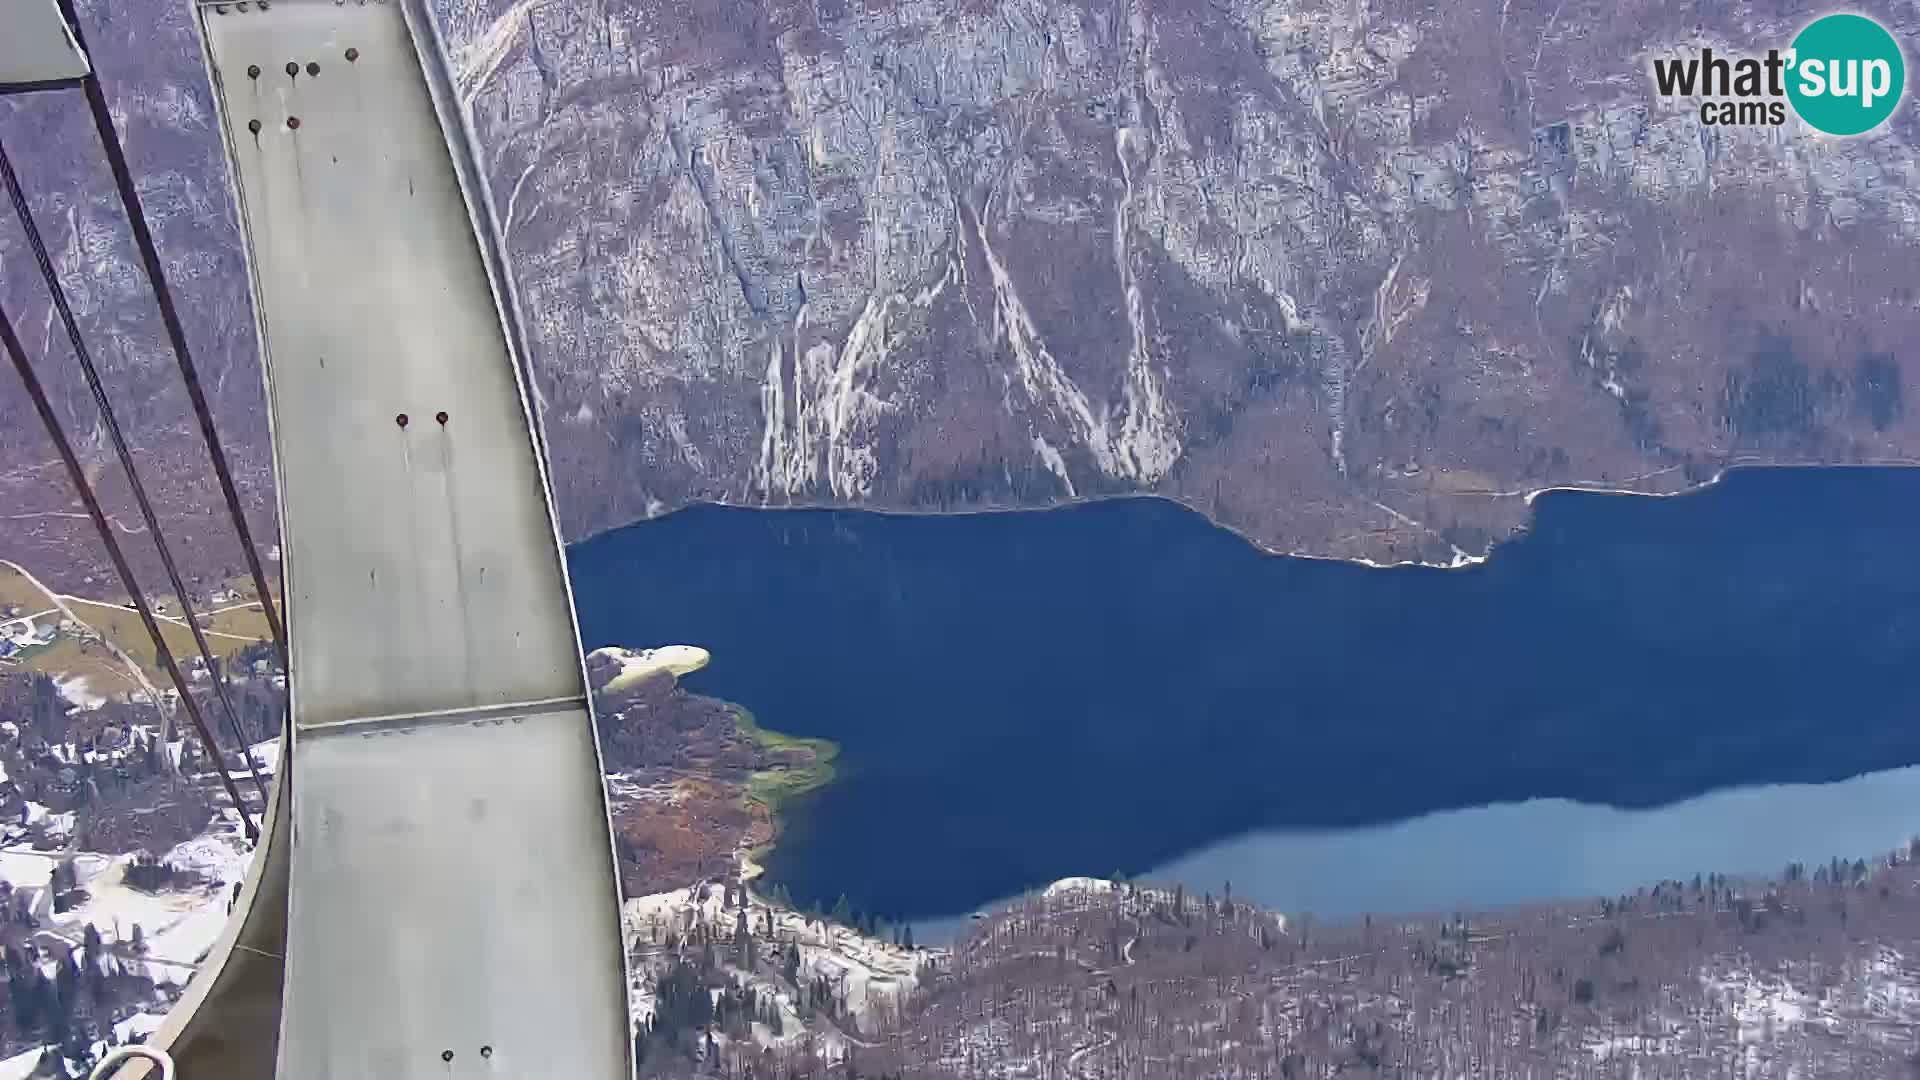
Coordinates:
[1352,277]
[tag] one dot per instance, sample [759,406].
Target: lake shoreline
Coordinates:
[774,788]
[1527,496]
[1464,857]
[1018,697]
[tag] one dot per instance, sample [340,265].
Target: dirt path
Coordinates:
[133,668]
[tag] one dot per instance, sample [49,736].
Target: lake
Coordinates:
[1121,685]
[1542,849]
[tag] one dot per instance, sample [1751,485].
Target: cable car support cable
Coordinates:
[176,333]
[18,197]
[79,477]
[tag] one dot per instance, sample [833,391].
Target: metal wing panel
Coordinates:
[432,539]
[452,883]
[36,46]
[404,948]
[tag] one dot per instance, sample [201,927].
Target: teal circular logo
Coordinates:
[1846,74]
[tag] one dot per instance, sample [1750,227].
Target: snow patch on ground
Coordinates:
[1068,886]
[20,1066]
[637,666]
[25,868]
[77,690]
[867,973]
[179,927]
[266,756]
[1759,1005]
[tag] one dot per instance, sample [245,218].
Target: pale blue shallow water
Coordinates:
[1543,849]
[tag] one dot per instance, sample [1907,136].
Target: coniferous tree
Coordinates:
[742,941]
[23,1000]
[59,1000]
[94,950]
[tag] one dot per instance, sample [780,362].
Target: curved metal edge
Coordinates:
[227,1021]
[241,975]
[430,44]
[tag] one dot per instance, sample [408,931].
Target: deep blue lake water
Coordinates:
[1118,686]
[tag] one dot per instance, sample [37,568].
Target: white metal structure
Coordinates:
[36,46]
[436,894]
[112,1062]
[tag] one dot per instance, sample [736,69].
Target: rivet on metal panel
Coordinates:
[293,123]
[313,68]
[352,55]
[253,71]
[219,9]
[240,7]
[441,417]
[254,125]
[446,1055]
[401,419]
[486,1051]
[293,69]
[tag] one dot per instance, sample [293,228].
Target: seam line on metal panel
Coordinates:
[467,714]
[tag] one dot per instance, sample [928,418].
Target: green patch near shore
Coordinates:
[772,787]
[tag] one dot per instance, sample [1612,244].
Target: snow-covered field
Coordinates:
[177,928]
[867,973]
[20,1066]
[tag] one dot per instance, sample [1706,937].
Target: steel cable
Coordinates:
[176,334]
[17,196]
